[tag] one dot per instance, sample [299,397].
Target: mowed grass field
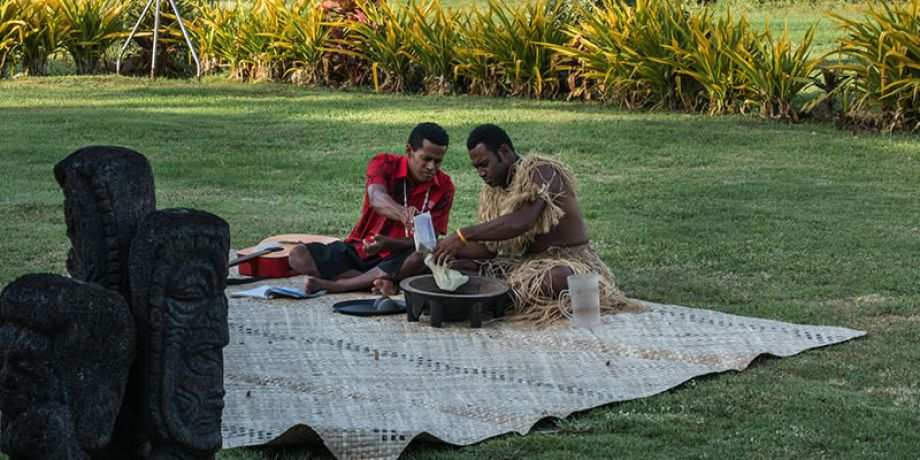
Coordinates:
[803,223]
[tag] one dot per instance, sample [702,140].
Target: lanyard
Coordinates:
[406,201]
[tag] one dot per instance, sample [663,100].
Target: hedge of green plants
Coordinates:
[650,54]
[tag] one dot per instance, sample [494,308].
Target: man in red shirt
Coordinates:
[398,187]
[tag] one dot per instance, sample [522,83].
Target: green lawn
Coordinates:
[802,223]
[797,18]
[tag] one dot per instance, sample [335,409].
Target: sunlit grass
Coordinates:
[802,223]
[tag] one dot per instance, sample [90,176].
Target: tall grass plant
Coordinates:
[11,34]
[94,25]
[881,55]
[44,32]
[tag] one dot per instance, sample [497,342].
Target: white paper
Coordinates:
[260,292]
[271,292]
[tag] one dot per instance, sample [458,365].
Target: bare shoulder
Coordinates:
[550,175]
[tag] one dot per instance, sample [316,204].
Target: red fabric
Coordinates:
[392,171]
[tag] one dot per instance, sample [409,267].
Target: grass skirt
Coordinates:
[526,274]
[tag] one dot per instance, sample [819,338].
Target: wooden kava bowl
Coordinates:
[467,302]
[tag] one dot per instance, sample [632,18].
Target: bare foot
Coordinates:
[313,284]
[385,287]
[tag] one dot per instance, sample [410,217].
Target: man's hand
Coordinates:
[373,246]
[447,247]
[409,222]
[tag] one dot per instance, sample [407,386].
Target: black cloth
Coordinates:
[338,257]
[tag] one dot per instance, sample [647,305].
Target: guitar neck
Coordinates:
[254,255]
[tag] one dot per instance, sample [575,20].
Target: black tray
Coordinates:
[365,307]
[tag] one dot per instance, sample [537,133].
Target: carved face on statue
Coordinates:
[178,277]
[66,349]
[196,333]
[108,191]
[28,384]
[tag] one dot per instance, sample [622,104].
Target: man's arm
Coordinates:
[508,226]
[518,222]
[391,244]
[498,229]
[473,250]
[386,206]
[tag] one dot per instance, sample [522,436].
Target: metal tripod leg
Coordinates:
[188,40]
[156,36]
[131,36]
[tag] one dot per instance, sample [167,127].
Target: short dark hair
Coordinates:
[431,131]
[491,135]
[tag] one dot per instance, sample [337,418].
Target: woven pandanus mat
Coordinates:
[368,386]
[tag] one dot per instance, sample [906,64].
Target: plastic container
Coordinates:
[586,300]
[425,238]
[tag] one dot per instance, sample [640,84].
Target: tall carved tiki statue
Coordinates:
[66,349]
[108,191]
[178,276]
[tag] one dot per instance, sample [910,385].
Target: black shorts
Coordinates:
[338,257]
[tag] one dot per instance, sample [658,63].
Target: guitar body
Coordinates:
[275,264]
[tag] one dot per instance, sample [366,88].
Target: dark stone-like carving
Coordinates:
[178,276]
[66,349]
[108,191]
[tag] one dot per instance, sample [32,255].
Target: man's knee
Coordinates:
[465,266]
[414,264]
[301,261]
[556,280]
[416,259]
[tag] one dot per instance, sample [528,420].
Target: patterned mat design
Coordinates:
[368,386]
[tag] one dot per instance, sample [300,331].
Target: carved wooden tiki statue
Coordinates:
[108,191]
[178,276]
[66,349]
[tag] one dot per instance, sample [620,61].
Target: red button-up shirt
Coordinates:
[392,171]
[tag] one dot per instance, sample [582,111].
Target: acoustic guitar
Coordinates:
[269,259]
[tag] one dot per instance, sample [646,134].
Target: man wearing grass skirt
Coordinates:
[531,231]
